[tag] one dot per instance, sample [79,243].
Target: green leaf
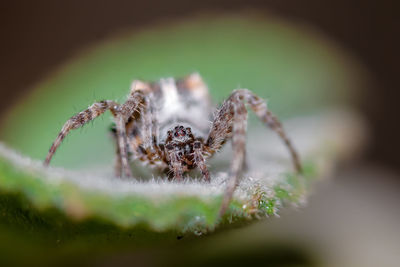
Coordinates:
[192,205]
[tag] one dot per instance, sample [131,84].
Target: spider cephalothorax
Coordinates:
[179,135]
[166,125]
[183,152]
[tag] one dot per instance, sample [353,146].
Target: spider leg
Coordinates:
[200,161]
[121,115]
[175,163]
[133,104]
[137,131]
[148,120]
[143,135]
[259,107]
[79,120]
[150,150]
[231,121]
[117,164]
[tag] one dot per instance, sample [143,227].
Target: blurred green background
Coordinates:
[294,68]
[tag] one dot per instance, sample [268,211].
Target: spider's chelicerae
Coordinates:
[167,125]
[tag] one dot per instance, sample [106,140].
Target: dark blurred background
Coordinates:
[37,36]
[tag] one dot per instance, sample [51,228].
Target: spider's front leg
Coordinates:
[125,111]
[121,114]
[259,107]
[230,122]
[200,161]
[79,120]
[175,162]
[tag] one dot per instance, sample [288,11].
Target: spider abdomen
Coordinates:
[183,102]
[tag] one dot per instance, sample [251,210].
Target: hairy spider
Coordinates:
[167,125]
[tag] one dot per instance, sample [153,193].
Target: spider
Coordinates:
[166,124]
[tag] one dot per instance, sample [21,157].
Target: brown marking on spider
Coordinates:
[166,125]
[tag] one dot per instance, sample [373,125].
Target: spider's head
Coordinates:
[179,135]
[179,145]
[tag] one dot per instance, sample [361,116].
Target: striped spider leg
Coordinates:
[142,133]
[121,114]
[230,122]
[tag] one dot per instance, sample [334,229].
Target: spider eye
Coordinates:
[176,134]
